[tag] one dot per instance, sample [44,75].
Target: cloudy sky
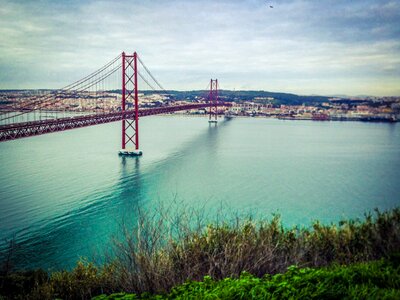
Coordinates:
[305,47]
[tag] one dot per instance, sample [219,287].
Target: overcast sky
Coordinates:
[305,47]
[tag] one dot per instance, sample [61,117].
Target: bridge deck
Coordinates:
[27,129]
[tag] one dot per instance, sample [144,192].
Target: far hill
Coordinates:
[255,96]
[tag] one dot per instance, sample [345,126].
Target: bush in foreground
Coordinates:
[373,280]
[165,250]
[161,252]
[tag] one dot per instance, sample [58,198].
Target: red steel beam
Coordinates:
[123,100]
[136,102]
[27,129]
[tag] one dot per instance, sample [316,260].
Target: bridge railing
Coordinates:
[32,128]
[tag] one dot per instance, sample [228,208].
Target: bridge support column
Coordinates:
[130,118]
[213,98]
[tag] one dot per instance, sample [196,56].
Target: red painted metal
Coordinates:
[123,100]
[136,103]
[213,99]
[130,123]
[210,98]
[27,129]
[216,99]
[129,117]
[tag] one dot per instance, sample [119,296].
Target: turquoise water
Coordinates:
[63,195]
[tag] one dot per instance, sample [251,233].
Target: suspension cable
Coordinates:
[70,86]
[74,92]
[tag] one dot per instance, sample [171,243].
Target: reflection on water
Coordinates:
[64,195]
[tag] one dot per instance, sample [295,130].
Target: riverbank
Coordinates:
[157,255]
[341,118]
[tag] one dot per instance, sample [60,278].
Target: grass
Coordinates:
[372,280]
[164,250]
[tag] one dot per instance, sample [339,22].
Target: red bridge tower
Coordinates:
[213,98]
[130,122]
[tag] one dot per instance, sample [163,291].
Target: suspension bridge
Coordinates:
[119,78]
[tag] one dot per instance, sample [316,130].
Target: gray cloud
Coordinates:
[298,46]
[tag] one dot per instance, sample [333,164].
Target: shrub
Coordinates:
[164,250]
[154,260]
[373,280]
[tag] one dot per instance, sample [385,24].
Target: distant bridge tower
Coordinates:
[130,121]
[213,99]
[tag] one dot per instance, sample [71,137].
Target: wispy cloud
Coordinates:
[298,46]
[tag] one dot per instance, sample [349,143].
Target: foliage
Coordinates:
[18,284]
[164,250]
[84,281]
[150,259]
[374,280]
[241,96]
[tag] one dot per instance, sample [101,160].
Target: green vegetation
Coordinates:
[164,251]
[241,96]
[373,280]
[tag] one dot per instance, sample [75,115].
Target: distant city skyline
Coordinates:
[303,47]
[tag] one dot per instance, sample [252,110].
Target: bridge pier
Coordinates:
[130,152]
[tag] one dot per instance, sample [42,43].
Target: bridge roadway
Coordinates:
[26,129]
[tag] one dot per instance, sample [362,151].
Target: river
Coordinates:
[63,195]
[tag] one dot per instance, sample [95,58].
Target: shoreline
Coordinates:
[369,120]
[365,119]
